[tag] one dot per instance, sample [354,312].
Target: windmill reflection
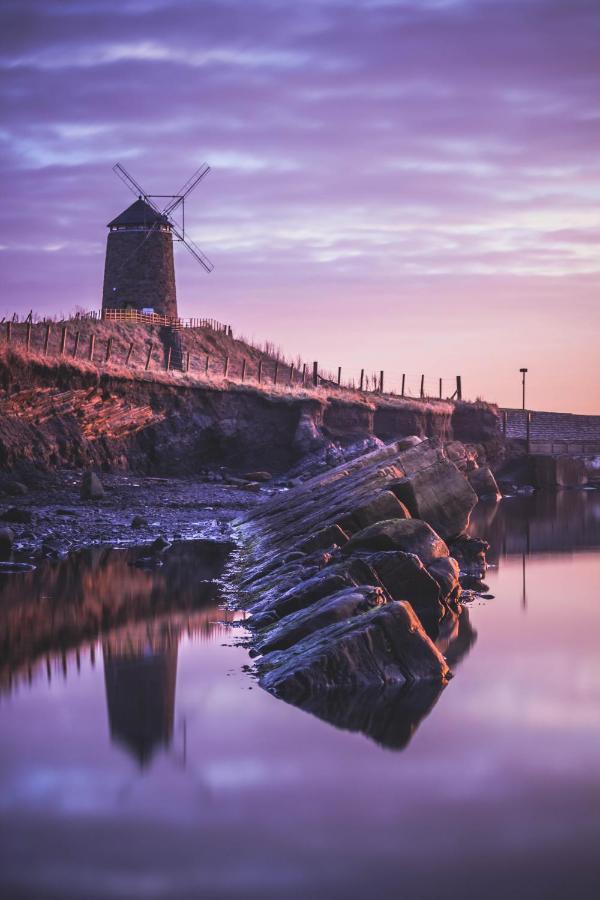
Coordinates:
[140,675]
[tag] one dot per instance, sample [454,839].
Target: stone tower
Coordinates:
[139,272]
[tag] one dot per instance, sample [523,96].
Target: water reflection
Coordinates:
[565,521]
[50,616]
[140,674]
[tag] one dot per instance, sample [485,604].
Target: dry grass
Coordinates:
[19,362]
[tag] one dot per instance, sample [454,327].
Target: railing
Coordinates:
[136,315]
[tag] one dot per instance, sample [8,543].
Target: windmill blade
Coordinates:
[133,186]
[187,188]
[194,249]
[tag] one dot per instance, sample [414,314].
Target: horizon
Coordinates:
[407,186]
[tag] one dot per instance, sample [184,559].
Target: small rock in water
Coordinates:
[258,476]
[159,545]
[139,522]
[91,487]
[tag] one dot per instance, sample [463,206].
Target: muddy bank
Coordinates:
[55,520]
[54,414]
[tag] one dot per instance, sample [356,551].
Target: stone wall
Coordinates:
[554,433]
[139,264]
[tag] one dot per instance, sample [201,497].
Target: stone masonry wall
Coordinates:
[139,264]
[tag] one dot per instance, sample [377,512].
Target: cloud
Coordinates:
[349,141]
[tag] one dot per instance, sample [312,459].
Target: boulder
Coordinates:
[484,484]
[337,607]
[456,452]
[440,495]
[408,535]
[159,546]
[15,514]
[386,645]
[7,537]
[258,476]
[404,577]
[139,522]
[91,487]
[558,471]
[384,506]
[445,572]
[470,555]
[324,539]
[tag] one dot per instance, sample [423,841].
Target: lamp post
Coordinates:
[523,373]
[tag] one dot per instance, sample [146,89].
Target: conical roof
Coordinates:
[139,213]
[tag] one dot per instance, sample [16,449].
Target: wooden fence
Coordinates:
[72,342]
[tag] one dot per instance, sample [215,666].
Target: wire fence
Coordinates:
[74,340]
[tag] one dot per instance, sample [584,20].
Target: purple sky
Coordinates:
[408,185]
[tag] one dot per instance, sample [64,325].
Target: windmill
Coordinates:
[139,271]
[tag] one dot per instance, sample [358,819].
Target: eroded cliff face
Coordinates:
[55,414]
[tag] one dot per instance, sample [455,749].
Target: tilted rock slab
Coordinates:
[384,646]
[318,557]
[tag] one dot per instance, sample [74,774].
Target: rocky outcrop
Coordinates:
[347,590]
[484,484]
[440,495]
[91,487]
[408,535]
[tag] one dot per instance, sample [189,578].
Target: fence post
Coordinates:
[91,350]
[243,370]
[226,367]
[504,422]
[381,382]
[129,352]
[149,356]
[529,431]
[207,363]
[362,379]
[303,374]
[46,339]
[276,372]
[76,346]
[315,376]
[440,388]
[169,351]
[63,339]
[422,387]
[259,376]
[458,387]
[108,349]
[403,383]
[339,378]
[187,361]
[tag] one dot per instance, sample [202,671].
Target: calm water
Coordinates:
[149,764]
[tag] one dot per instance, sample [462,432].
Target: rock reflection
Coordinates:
[390,716]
